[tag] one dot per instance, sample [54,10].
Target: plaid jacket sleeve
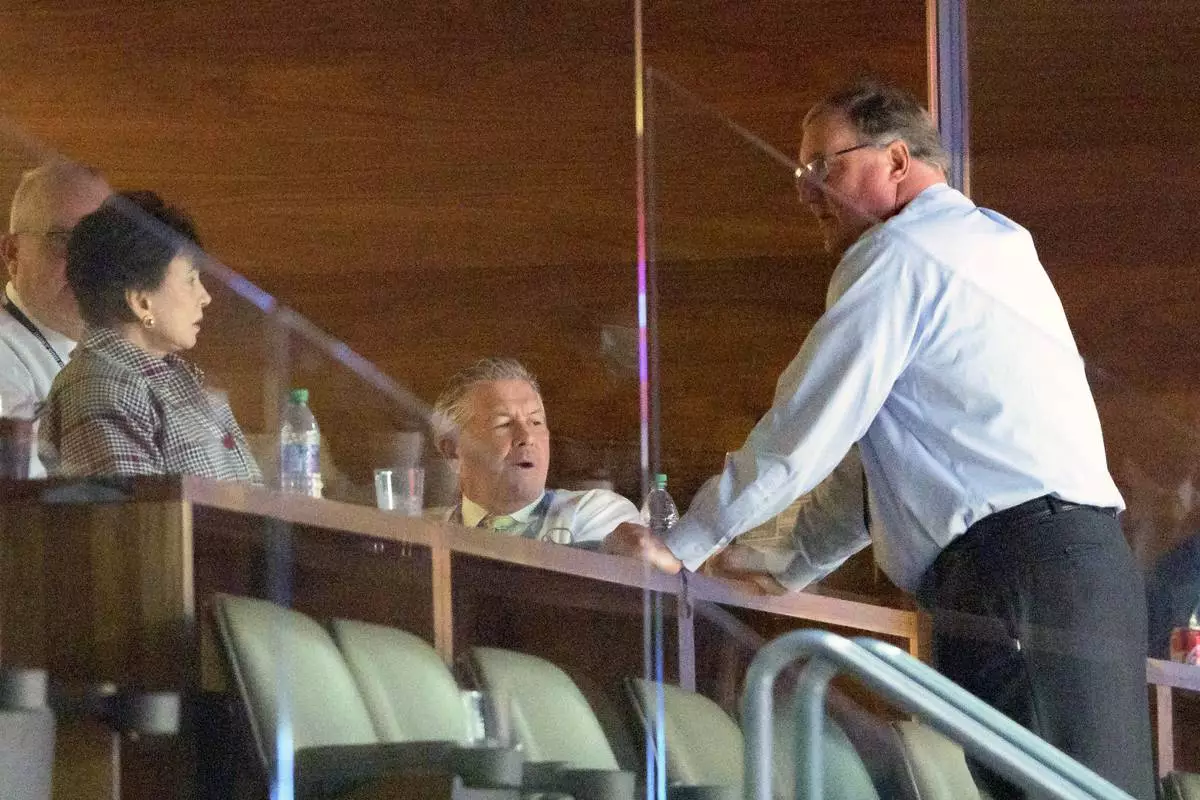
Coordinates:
[102,427]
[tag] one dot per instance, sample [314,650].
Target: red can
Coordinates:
[1185,645]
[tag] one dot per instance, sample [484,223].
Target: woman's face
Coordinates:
[177,307]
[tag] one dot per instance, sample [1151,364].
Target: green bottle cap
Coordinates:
[299,396]
[660,480]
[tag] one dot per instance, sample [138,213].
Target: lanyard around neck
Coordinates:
[28,324]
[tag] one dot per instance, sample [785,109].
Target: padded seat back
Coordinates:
[1181,786]
[703,743]
[410,693]
[296,687]
[705,746]
[26,736]
[551,718]
[846,776]
[936,767]
[26,754]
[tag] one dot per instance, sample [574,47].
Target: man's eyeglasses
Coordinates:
[56,239]
[816,171]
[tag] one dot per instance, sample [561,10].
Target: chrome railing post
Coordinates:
[811,692]
[984,732]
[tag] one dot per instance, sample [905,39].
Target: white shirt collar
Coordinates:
[472,512]
[63,344]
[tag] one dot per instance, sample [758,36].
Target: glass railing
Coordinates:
[740,278]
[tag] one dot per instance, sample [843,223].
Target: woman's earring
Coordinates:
[148,321]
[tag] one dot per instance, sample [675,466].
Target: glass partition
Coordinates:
[739,276]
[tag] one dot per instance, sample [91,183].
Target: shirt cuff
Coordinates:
[691,545]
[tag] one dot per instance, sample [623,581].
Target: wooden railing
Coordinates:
[111,580]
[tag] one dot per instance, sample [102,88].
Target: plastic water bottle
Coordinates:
[299,447]
[659,511]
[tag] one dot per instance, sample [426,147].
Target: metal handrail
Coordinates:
[952,693]
[984,732]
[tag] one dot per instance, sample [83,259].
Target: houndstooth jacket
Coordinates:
[116,409]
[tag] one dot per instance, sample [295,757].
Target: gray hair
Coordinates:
[40,185]
[451,409]
[882,113]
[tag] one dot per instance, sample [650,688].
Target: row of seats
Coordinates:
[357,683]
[308,687]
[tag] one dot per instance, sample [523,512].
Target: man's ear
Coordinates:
[899,160]
[8,252]
[447,445]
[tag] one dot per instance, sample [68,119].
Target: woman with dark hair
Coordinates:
[127,403]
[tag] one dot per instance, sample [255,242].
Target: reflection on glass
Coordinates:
[938,392]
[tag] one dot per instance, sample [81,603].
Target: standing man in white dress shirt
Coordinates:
[39,318]
[945,355]
[491,422]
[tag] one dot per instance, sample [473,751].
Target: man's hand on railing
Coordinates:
[736,564]
[636,541]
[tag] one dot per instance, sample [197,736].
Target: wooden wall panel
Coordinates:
[435,182]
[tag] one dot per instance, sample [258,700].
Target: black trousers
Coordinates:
[1041,612]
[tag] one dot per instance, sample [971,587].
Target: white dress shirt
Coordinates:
[27,369]
[572,518]
[945,353]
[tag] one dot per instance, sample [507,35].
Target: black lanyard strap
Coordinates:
[28,324]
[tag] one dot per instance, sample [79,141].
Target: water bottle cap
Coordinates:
[660,480]
[299,396]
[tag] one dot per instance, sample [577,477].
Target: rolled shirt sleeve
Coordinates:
[829,528]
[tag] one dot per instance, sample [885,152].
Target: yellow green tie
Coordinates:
[499,524]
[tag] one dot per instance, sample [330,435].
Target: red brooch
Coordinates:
[228,441]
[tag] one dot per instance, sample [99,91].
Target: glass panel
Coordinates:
[552,292]
[736,280]
[740,279]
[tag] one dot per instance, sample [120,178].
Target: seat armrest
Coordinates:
[334,769]
[23,689]
[129,712]
[1181,786]
[330,770]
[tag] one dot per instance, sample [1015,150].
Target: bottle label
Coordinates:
[300,459]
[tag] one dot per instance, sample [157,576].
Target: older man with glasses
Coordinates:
[39,318]
[939,409]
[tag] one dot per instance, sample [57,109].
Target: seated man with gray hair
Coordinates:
[491,423]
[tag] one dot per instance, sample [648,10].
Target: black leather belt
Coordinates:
[1031,511]
[1007,525]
